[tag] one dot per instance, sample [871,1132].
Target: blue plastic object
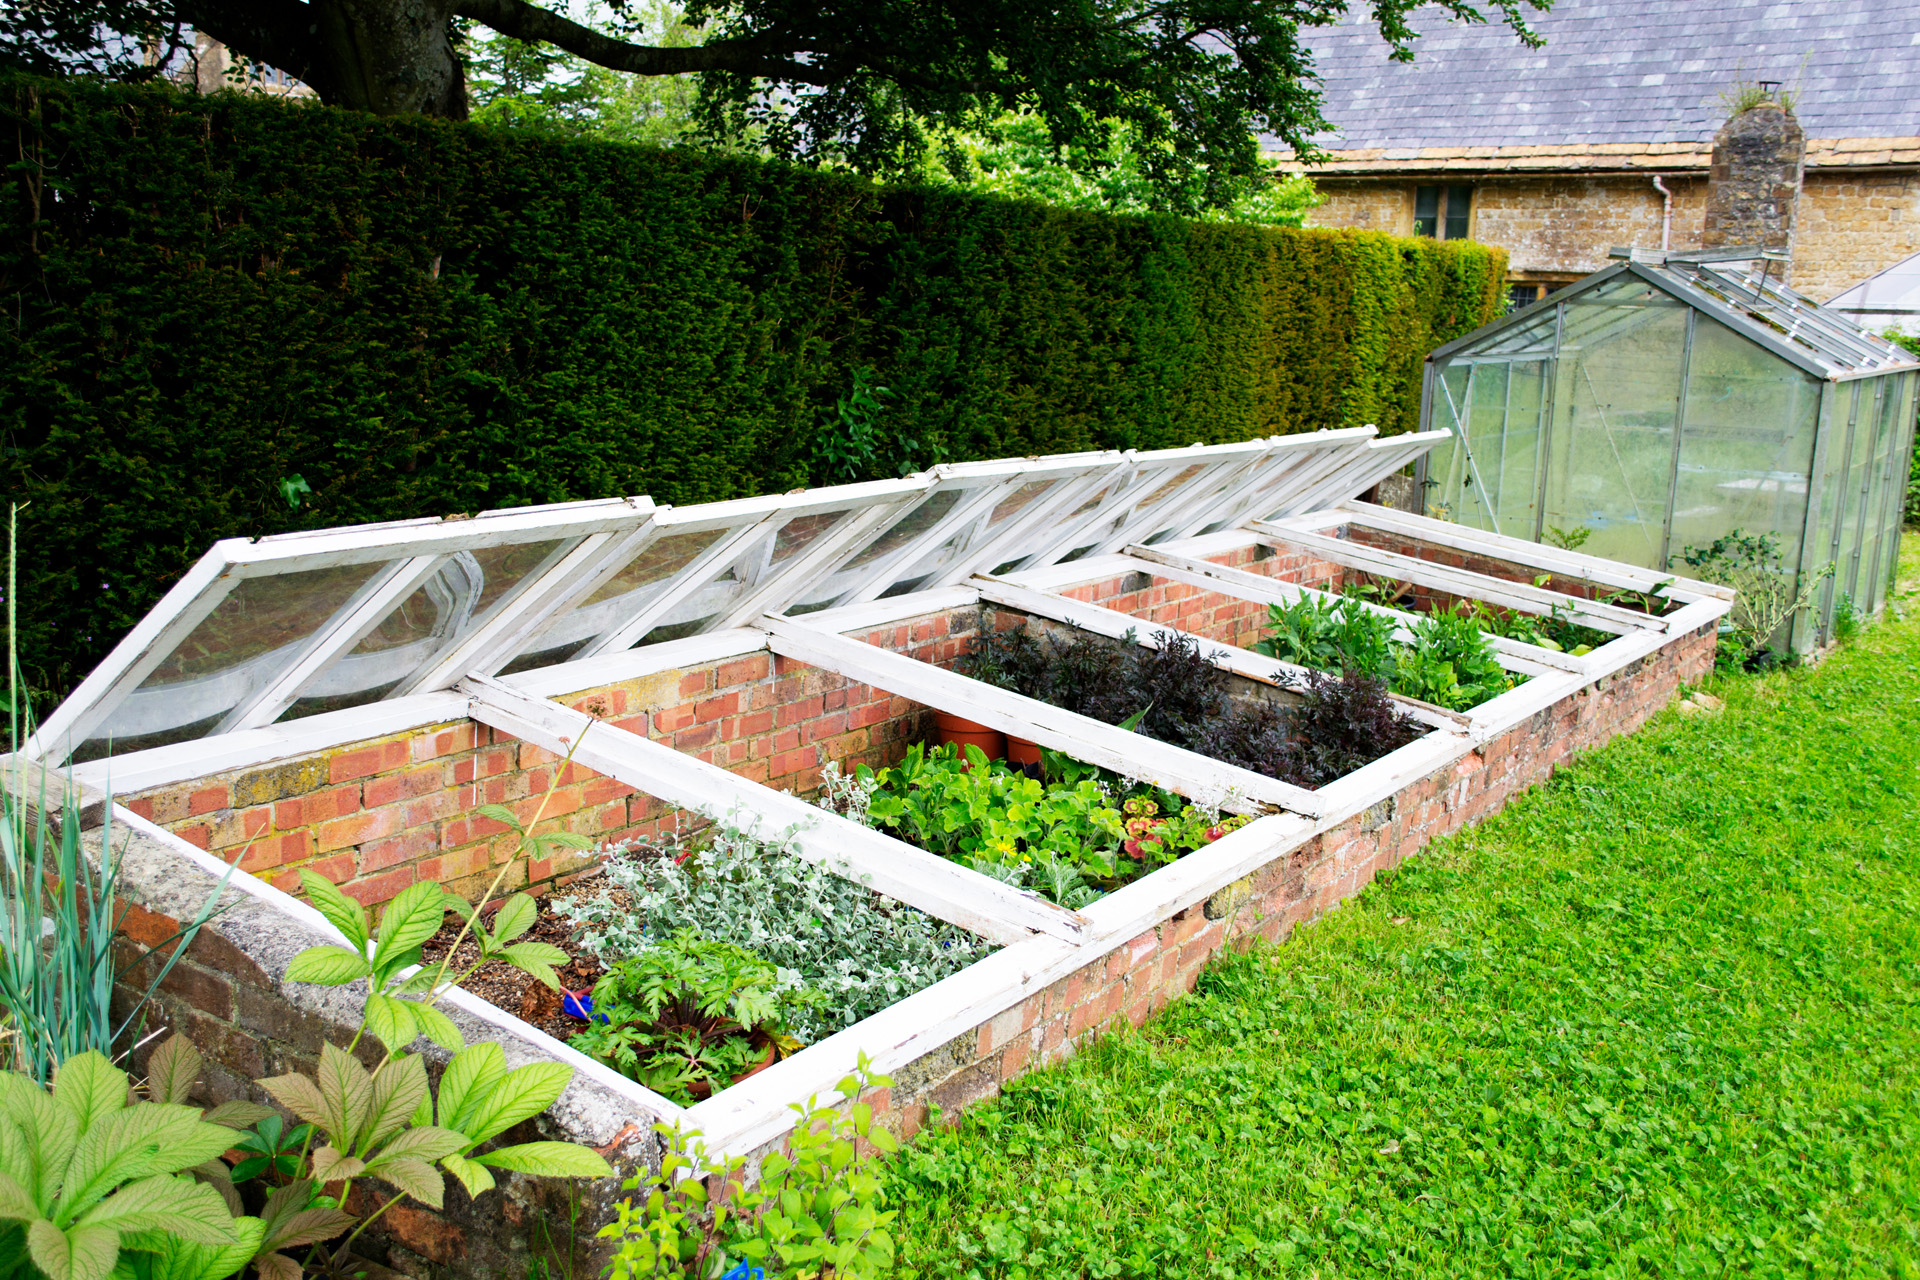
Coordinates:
[746,1272]
[578,1004]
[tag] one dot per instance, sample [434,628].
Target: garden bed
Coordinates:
[739,723]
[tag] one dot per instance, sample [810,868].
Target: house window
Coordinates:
[1442,212]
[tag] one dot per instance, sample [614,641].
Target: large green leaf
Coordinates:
[468,1079]
[139,1142]
[89,1087]
[298,1094]
[237,1114]
[84,1253]
[550,1160]
[538,959]
[16,1201]
[398,1086]
[428,1142]
[438,1027]
[392,1022]
[328,966]
[414,915]
[342,912]
[500,814]
[331,1164]
[515,917]
[473,1176]
[416,1178]
[346,1091]
[191,1210]
[177,1259]
[525,1092]
[172,1069]
[288,1222]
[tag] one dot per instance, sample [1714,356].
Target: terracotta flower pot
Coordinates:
[965,733]
[1021,753]
[703,1089]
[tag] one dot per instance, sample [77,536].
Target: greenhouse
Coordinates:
[1666,402]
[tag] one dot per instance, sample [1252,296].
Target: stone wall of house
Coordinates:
[1553,228]
[1852,225]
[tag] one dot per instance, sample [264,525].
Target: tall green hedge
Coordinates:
[203,296]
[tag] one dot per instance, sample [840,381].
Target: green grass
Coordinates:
[1659,1018]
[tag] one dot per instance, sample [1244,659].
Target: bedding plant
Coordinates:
[1448,662]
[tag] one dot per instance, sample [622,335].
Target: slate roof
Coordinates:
[1644,72]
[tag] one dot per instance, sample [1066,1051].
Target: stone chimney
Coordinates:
[1759,157]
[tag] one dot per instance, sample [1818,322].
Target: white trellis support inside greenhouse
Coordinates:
[282,658]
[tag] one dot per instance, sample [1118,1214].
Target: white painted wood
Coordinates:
[1023,531]
[273,556]
[977,498]
[1461,582]
[1304,481]
[943,889]
[1533,555]
[1515,655]
[1115,625]
[1372,783]
[197,594]
[635,664]
[1197,777]
[850,618]
[381,595]
[139,771]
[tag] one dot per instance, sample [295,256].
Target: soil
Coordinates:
[520,993]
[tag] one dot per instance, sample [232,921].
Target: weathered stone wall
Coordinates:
[1852,225]
[1754,182]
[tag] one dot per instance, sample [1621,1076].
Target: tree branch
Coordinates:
[755,57]
[279,33]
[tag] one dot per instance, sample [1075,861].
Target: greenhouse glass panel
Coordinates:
[1853,488]
[1746,445]
[1612,437]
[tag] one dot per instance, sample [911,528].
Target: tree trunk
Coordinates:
[388,57]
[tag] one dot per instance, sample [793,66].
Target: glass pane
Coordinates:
[239,648]
[1017,501]
[1426,210]
[798,533]
[1613,412]
[1852,495]
[1516,482]
[700,610]
[908,527]
[1747,444]
[451,604]
[1459,210]
[616,600]
[1871,516]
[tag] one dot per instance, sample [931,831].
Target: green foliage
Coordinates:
[1329,635]
[1912,343]
[819,1208]
[1014,155]
[88,1176]
[1070,835]
[862,443]
[1657,1018]
[1449,662]
[688,1014]
[1770,593]
[1567,539]
[207,294]
[859,952]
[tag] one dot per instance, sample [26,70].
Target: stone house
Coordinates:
[1623,129]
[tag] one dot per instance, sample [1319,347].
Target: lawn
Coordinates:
[1659,1018]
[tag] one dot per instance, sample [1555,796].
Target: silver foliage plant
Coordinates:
[860,950]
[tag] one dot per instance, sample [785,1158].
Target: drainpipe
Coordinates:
[1666,212]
